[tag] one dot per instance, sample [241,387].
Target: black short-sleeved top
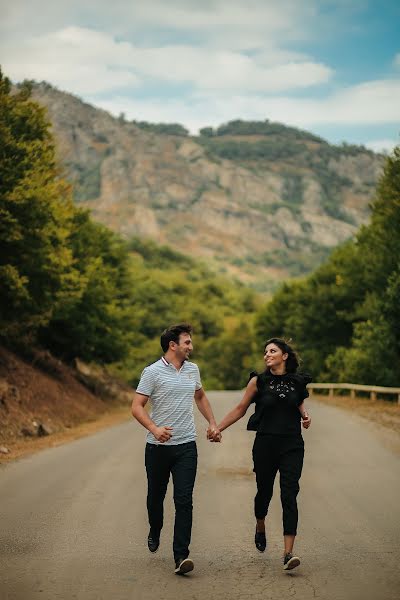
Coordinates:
[276,403]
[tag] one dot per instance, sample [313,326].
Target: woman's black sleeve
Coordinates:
[302,379]
[253,374]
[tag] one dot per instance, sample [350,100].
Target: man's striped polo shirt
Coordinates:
[171,393]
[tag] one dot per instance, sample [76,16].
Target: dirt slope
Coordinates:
[44,391]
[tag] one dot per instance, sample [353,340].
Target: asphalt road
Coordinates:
[73,523]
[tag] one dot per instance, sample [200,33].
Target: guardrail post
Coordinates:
[331,393]
[373,395]
[352,393]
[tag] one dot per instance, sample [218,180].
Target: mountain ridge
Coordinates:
[257,200]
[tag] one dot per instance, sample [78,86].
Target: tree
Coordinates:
[373,356]
[230,357]
[344,317]
[379,242]
[98,323]
[36,265]
[206,131]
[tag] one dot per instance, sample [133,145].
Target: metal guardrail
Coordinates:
[356,387]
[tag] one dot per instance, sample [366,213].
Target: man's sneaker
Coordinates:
[260,541]
[153,542]
[183,565]
[290,561]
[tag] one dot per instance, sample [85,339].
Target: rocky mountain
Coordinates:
[259,201]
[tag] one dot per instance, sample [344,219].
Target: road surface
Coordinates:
[73,523]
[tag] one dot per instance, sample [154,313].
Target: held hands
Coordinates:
[214,434]
[306,421]
[162,434]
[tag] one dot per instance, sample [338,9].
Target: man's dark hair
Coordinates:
[292,361]
[171,334]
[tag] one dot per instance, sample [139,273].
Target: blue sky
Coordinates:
[329,66]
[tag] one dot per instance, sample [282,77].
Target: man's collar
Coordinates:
[167,364]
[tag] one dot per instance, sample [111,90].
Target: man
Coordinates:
[171,383]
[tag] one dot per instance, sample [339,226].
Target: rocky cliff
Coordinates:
[260,204]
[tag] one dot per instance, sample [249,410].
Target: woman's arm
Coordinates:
[240,410]
[305,417]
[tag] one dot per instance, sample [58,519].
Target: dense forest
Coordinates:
[70,285]
[345,316]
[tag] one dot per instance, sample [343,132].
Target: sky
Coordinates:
[331,67]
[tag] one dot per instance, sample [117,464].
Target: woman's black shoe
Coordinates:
[260,541]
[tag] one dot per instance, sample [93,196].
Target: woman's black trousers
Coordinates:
[283,453]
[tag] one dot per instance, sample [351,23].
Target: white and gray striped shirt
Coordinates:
[171,393]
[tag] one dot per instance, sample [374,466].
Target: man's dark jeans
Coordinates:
[181,461]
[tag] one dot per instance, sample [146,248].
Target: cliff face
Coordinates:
[273,209]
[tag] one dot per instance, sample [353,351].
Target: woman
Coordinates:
[279,395]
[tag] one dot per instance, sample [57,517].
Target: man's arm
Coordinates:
[204,407]
[162,434]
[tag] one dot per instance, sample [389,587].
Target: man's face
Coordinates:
[185,346]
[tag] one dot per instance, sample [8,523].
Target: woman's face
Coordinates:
[274,357]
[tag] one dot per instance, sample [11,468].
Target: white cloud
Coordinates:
[270,15]
[83,60]
[368,103]
[276,19]
[273,17]
[385,146]
[228,58]
[78,60]
[189,113]
[224,70]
